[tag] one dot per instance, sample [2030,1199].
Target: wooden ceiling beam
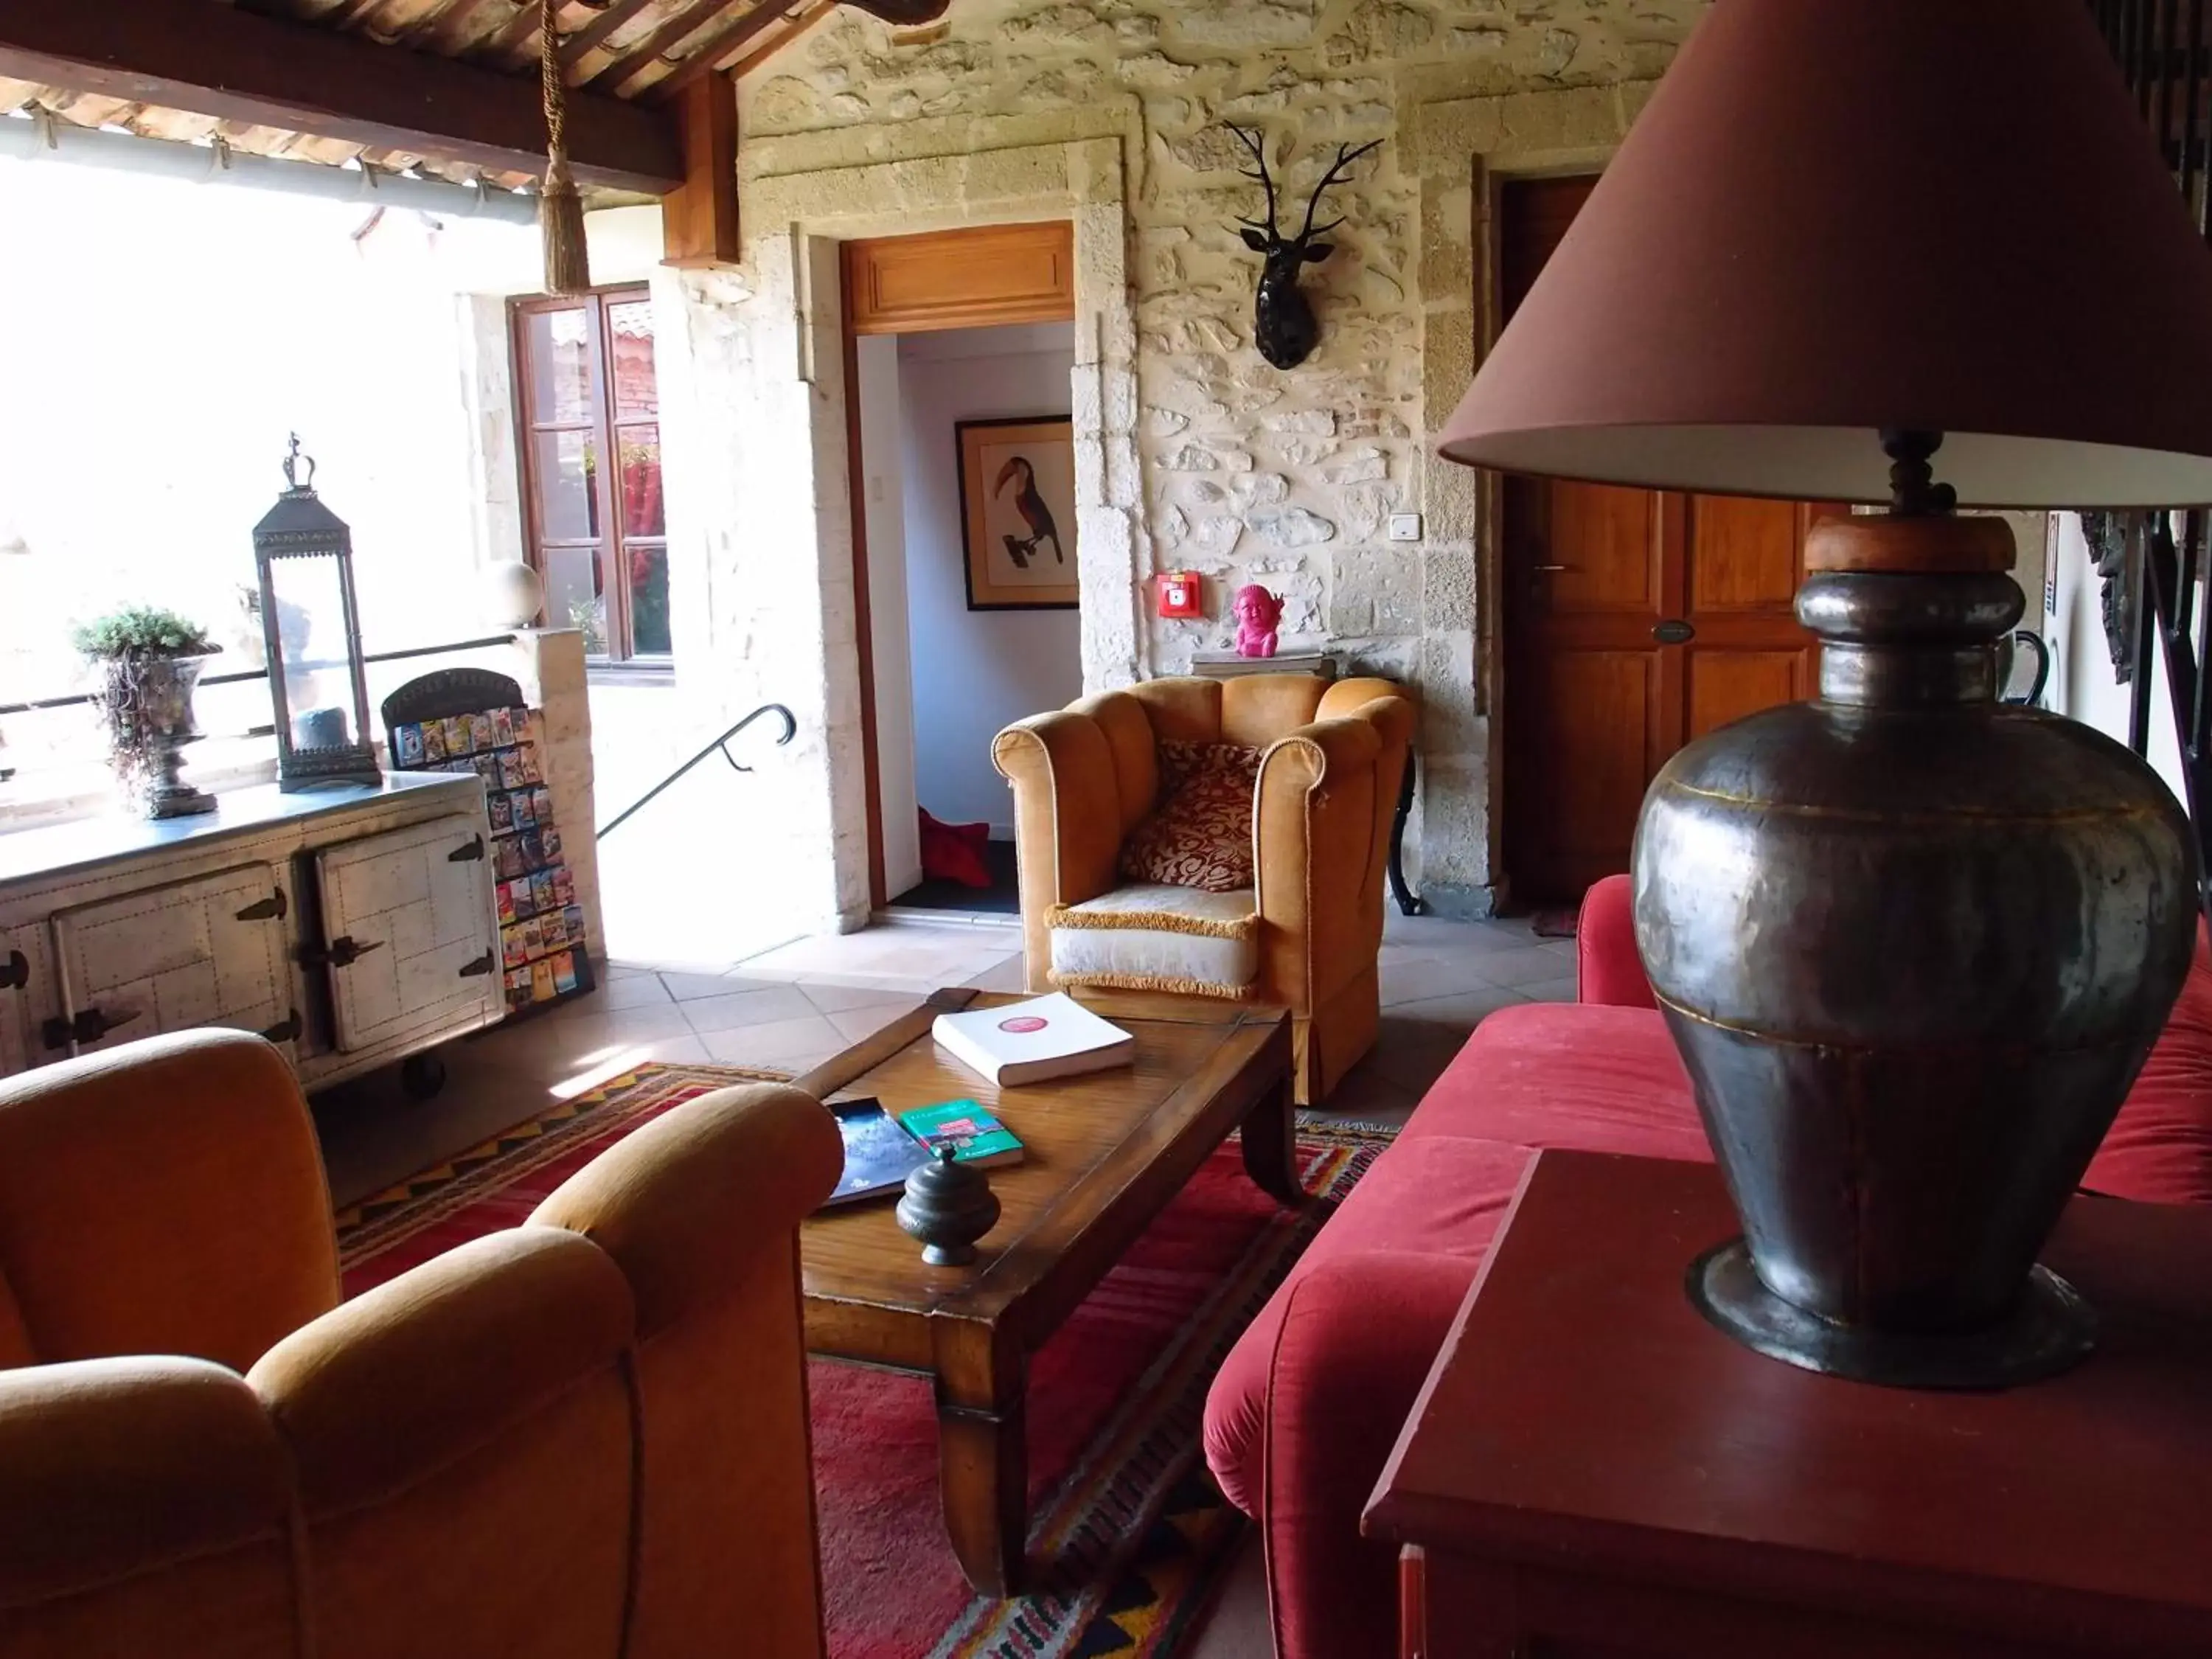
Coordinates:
[680,26]
[903,14]
[234,65]
[721,46]
[574,46]
[699,222]
[796,26]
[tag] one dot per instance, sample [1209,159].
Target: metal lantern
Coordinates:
[304,554]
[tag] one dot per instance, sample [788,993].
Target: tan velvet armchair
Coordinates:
[1306,935]
[581,1438]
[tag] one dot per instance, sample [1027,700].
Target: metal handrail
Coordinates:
[244,676]
[722,742]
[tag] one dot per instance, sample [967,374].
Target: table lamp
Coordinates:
[1913,944]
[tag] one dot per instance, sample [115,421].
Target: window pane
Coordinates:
[567,480]
[560,365]
[311,626]
[573,598]
[629,332]
[642,514]
[649,602]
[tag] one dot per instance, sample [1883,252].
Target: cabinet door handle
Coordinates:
[1673,631]
[14,972]
[285,1030]
[472,853]
[271,908]
[343,952]
[1550,569]
[483,965]
[90,1026]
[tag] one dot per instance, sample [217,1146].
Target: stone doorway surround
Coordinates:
[1463,151]
[758,467]
[770,534]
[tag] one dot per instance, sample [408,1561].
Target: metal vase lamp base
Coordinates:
[1914,945]
[147,704]
[2050,1328]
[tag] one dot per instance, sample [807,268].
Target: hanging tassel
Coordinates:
[560,205]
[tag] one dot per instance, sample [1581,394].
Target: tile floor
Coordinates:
[794,1006]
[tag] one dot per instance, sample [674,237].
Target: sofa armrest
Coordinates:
[1608,969]
[1358,1337]
[114,1467]
[687,1205]
[1068,817]
[409,1377]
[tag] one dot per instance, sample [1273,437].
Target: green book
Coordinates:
[975,1136]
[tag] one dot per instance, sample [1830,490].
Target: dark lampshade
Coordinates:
[1842,215]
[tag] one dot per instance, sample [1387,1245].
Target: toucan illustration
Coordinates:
[1035,513]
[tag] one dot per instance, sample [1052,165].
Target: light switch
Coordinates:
[1405,526]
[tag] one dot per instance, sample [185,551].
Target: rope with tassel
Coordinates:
[560,205]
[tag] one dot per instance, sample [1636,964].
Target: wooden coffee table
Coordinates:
[1106,1153]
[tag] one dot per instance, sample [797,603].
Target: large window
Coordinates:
[590,422]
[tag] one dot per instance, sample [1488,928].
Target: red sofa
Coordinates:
[1308,1405]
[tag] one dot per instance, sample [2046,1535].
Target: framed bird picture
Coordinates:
[1018,513]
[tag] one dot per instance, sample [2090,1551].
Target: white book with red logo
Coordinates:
[1028,1042]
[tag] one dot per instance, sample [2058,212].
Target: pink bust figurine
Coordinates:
[1259,613]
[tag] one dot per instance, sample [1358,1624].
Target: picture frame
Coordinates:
[1018,513]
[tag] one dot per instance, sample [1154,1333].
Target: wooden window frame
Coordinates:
[610,550]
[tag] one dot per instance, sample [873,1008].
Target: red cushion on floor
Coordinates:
[954,852]
[2159,1148]
[1569,1074]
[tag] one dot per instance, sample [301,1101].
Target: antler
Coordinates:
[1252,141]
[1346,155]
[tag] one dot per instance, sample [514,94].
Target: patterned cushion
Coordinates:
[1202,835]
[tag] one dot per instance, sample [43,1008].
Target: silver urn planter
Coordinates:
[1914,946]
[147,704]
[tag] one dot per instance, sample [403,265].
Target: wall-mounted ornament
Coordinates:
[2111,548]
[1286,331]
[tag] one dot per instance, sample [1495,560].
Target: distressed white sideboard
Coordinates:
[353,926]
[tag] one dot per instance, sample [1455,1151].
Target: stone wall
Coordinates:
[1200,455]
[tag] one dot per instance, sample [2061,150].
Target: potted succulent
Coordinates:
[148,661]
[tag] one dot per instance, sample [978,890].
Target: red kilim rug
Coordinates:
[1128,1535]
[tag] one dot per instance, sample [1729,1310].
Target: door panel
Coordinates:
[417,905]
[1744,555]
[210,951]
[1601,740]
[1727,685]
[1635,621]
[1606,544]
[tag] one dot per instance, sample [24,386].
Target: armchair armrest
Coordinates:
[113,1467]
[407,1378]
[687,1205]
[1322,828]
[1067,817]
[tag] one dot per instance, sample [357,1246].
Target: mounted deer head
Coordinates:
[1286,331]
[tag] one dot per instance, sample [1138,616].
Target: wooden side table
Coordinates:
[1592,1472]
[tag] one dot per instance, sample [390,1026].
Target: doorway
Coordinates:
[960,354]
[1636,622]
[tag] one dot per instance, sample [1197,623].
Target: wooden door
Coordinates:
[1636,621]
